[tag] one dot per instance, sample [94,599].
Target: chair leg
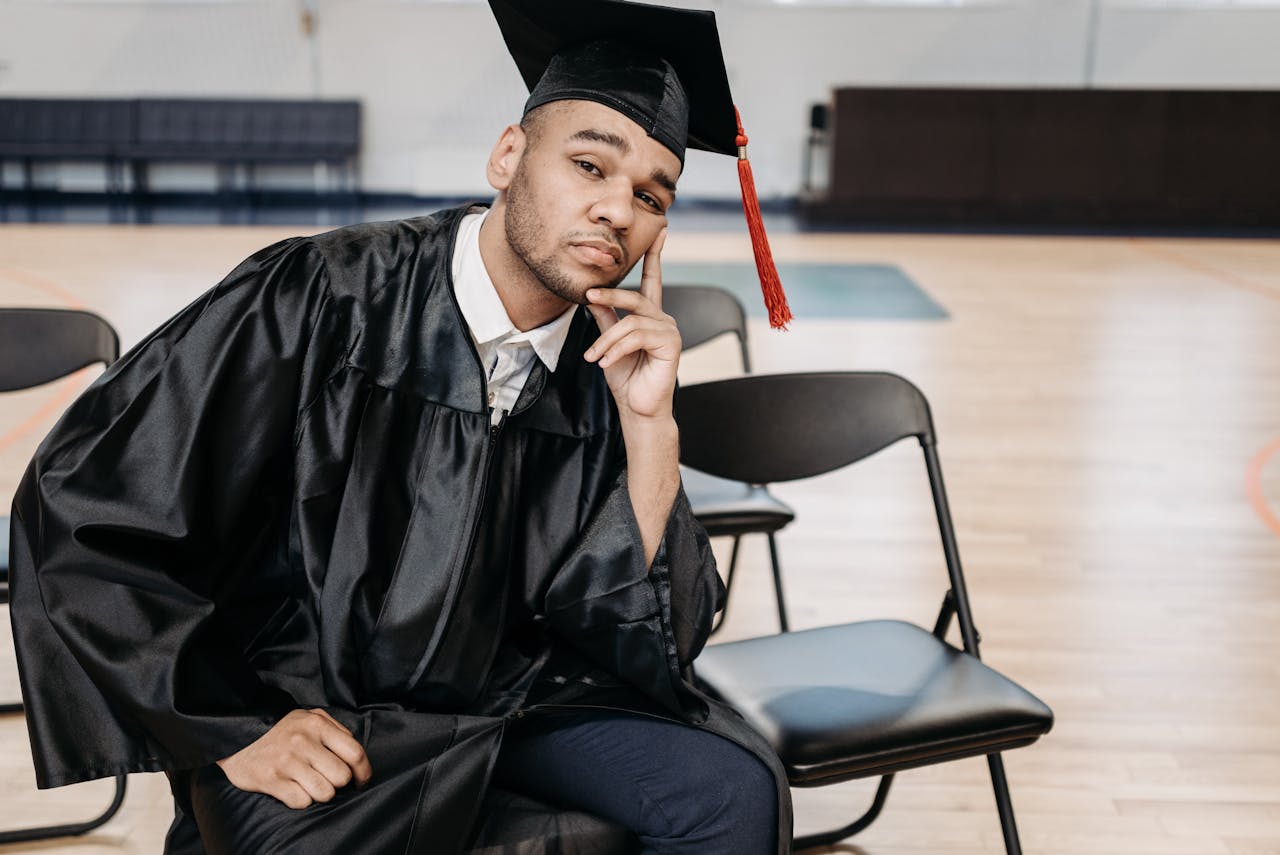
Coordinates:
[728,585]
[47,832]
[777,584]
[50,831]
[1004,805]
[12,706]
[829,838]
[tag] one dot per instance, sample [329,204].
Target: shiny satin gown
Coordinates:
[291,495]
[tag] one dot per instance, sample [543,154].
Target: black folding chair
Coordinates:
[725,507]
[862,699]
[38,346]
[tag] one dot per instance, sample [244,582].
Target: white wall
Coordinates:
[438,86]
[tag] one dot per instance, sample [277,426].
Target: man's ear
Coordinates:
[505,157]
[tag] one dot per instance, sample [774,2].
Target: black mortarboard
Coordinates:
[659,66]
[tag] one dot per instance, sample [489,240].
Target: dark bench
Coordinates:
[34,130]
[229,133]
[234,133]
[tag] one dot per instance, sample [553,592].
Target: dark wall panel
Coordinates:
[1053,156]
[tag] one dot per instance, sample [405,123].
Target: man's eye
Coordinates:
[650,201]
[588,166]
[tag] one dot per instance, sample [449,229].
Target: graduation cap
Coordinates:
[661,67]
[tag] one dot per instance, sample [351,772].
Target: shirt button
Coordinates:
[492,397]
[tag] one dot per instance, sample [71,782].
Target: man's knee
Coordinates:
[681,789]
[733,800]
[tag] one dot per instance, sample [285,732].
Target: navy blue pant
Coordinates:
[679,789]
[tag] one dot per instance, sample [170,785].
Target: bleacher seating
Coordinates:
[34,130]
[229,133]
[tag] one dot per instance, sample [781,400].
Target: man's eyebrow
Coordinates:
[663,180]
[606,137]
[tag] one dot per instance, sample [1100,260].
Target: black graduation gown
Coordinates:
[290,495]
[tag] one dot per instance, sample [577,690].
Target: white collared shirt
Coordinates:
[506,353]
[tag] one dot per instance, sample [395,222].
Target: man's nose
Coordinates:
[614,207]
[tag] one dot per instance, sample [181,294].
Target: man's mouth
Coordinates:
[600,253]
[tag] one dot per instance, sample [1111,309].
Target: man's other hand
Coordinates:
[304,758]
[641,352]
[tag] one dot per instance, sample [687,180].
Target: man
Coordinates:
[386,521]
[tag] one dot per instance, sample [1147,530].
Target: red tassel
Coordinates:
[770,283]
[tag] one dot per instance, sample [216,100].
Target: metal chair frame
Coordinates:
[883,404]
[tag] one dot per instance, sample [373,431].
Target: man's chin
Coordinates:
[575,289]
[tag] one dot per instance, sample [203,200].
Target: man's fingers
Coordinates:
[323,713]
[623,328]
[622,298]
[317,786]
[344,745]
[304,758]
[362,769]
[350,752]
[651,272]
[605,317]
[291,794]
[636,340]
[336,770]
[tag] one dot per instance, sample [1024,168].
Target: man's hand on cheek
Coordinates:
[304,758]
[640,353]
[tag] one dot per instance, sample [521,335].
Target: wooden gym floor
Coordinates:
[1109,415]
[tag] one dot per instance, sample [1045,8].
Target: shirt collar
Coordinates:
[482,308]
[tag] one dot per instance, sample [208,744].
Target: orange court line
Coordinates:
[1253,485]
[1253,475]
[46,286]
[1224,276]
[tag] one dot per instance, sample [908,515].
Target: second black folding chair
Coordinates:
[869,698]
[726,508]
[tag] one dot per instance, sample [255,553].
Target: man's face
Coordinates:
[588,197]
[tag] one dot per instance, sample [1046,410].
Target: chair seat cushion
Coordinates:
[727,507]
[869,698]
[513,824]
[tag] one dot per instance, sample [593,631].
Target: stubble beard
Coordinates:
[524,229]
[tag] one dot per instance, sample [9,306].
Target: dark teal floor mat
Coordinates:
[815,291]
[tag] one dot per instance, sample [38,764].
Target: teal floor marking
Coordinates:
[815,290]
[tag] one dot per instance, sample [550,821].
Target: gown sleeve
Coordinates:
[155,496]
[645,624]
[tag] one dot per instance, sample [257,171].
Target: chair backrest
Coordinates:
[779,427]
[703,312]
[40,345]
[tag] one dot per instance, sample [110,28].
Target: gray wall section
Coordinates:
[438,86]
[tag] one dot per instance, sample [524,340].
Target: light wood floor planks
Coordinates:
[1107,408]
